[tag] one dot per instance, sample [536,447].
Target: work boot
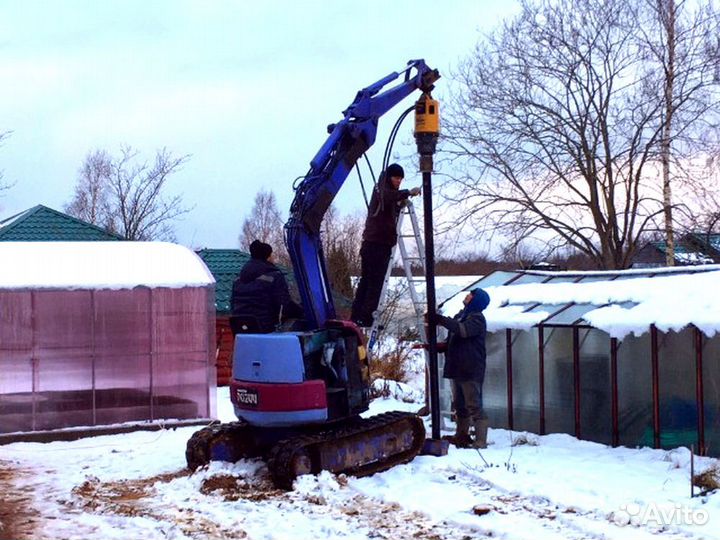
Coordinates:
[461,439]
[481,429]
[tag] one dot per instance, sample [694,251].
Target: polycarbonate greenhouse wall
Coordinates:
[660,389]
[94,357]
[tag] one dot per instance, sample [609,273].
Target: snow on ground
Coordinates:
[523,486]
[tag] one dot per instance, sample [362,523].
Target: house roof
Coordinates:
[99,265]
[617,302]
[710,242]
[225,265]
[685,254]
[43,224]
[653,254]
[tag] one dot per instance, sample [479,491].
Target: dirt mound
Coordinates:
[16,512]
[123,497]
[232,488]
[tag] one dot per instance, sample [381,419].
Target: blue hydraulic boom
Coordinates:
[349,139]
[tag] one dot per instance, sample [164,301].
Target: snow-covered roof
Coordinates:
[693,257]
[99,265]
[619,302]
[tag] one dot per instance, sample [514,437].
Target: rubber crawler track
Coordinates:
[403,432]
[199,450]
[300,455]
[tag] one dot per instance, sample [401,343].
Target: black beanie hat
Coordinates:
[395,170]
[260,250]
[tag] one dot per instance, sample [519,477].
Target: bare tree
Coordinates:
[666,12]
[341,242]
[142,212]
[342,236]
[701,212]
[127,195]
[265,223]
[3,186]
[395,306]
[521,255]
[92,200]
[556,130]
[683,55]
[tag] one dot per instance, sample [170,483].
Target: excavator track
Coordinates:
[220,442]
[358,448]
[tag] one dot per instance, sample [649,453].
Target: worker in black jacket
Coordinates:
[379,238]
[465,367]
[261,292]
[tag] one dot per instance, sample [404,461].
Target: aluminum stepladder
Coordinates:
[409,259]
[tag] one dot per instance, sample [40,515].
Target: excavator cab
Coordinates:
[286,379]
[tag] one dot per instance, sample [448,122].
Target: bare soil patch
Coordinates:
[135,498]
[17,520]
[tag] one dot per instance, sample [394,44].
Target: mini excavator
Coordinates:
[298,393]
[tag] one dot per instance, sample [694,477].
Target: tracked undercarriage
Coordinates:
[357,447]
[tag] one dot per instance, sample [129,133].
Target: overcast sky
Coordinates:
[246,88]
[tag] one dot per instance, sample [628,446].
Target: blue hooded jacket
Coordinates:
[465,356]
[480,300]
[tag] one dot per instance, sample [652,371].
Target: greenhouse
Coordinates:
[97,333]
[627,358]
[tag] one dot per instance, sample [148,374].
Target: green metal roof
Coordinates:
[685,254]
[711,240]
[43,224]
[224,265]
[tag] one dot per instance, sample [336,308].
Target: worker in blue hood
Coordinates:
[465,367]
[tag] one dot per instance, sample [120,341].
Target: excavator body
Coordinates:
[299,393]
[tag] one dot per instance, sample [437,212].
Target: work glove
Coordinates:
[440,347]
[414,192]
[441,320]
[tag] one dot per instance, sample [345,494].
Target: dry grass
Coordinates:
[390,367]
[387,367]
[709,479]
[391,364]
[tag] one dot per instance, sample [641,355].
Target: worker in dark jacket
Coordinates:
[261,292]
[465,367]
[379,238]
